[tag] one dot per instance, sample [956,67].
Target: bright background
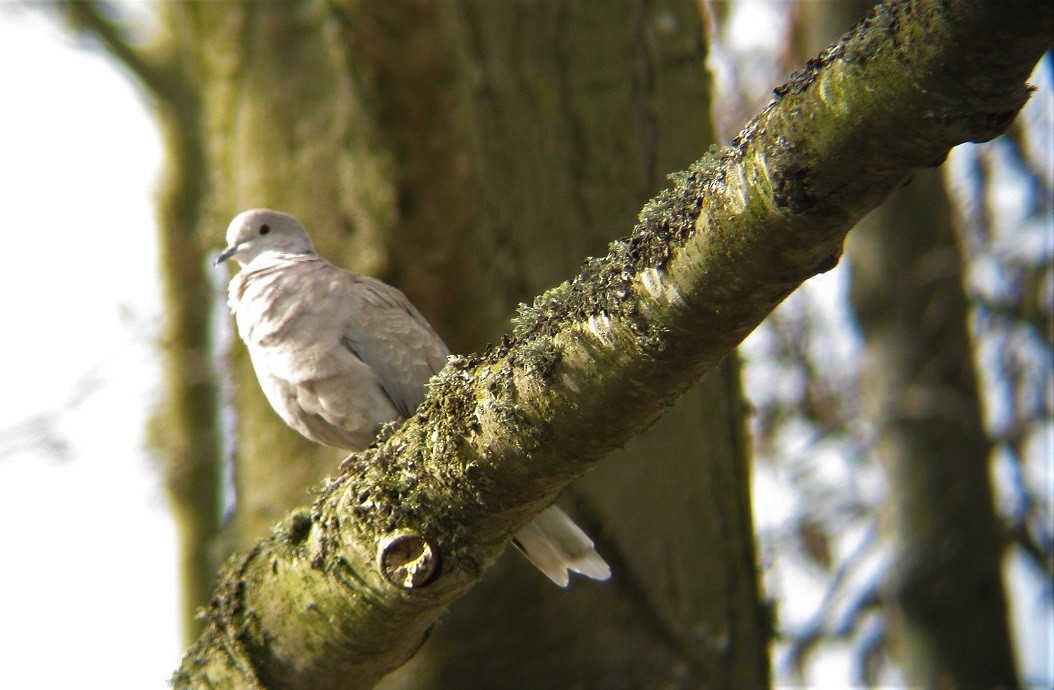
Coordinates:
[88,588]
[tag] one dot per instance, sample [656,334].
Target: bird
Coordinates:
[339,355]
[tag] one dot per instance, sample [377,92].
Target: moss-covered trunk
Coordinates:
[285,127]
[575,113]
[474,153]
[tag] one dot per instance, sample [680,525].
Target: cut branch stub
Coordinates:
[407,559]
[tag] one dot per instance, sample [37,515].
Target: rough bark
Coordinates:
[567,116]
[595,361]
[418,84]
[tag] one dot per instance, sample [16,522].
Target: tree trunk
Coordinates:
[474,191]
[576,112]
[285,127]
[946,598]
[187,430]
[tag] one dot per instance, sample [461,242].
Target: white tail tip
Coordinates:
[557,547]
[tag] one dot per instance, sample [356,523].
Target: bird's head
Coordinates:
[261,230]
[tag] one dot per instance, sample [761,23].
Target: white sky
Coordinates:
[88,588]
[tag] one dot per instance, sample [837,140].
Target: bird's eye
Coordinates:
[264,229]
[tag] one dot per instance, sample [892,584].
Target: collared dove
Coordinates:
[338,355]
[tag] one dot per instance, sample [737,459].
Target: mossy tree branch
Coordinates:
[596,360]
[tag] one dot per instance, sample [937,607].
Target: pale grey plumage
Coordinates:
[338,355]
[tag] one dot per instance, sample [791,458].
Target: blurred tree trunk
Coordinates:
[474,153]
[187,430]
[948,606]
[946,598]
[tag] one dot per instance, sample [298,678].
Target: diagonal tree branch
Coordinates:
[597,360]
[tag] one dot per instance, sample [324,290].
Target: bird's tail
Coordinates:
[556,545]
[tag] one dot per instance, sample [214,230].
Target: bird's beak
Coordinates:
[225,254]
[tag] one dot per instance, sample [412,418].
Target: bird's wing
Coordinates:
[389,335]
